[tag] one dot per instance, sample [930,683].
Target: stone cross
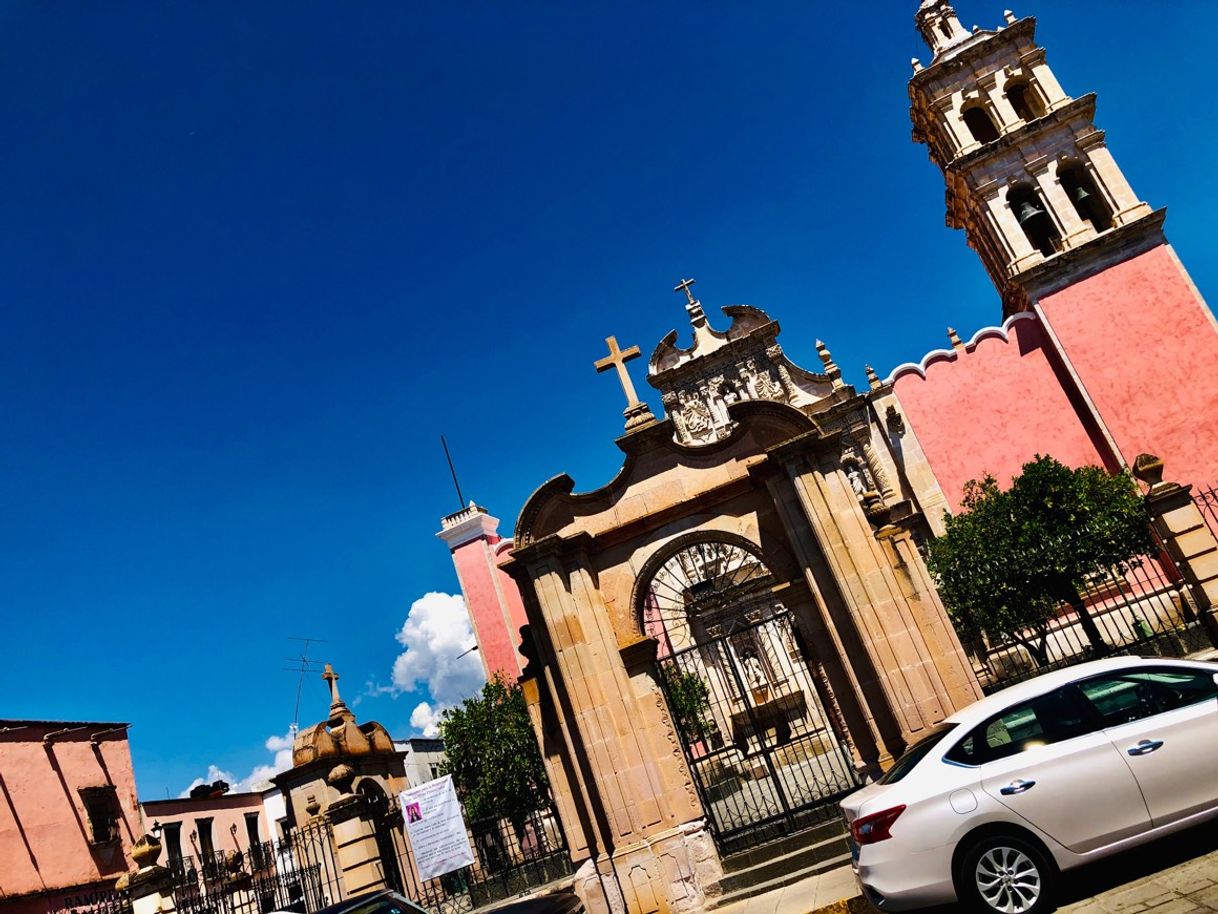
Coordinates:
[332,678]
[683,286]
[618,359]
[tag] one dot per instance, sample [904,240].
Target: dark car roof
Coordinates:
[554,903]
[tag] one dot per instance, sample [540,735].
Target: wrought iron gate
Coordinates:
[756,722]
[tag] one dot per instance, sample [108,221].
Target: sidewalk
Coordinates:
[832,892]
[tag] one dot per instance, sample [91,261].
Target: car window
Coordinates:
[1051,718]
[915,753]
[1130,695]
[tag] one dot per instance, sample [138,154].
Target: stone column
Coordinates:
[1050,89]
[640,801]
[949,117]
[1073,228]
[149,886]
[1186,537]
[999,104]
[354,835]
[1110,180]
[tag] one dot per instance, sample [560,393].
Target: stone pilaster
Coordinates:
[642,808]
[355,847]
[1186,537]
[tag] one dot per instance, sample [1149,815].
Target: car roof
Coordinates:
[1047,682]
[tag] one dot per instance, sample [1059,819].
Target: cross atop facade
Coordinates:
[683,286]
[331,678]
[618,359]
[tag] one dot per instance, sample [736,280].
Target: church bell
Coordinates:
[1030,214]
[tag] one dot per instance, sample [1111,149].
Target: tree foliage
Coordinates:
[689,698]
[1007,562]
[493,756]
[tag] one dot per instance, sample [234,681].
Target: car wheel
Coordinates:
[1008,875]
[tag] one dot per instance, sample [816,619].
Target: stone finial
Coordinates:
[146,851]
[340,778]
[1009,17]
[831,369]
[873,379]
[337,705]
[916,64]
[954,338]
[1149,469]
[312,807]
[894,421]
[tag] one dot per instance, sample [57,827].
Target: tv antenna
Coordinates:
[456,485]
[305,665]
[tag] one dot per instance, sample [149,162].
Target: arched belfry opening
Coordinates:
[1084,196]
[1025,101]
[980,124]
[750,709]
[1033,217]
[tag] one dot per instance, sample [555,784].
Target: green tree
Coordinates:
[1012,557]
[689,698]
[493,756]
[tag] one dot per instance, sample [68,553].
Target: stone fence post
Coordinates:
[149,886]
[1186,537]
[354,830]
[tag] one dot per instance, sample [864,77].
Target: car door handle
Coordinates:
[1017,787]
[1145,747]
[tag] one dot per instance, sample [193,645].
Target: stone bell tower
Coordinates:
[1069,245]
[1029,176]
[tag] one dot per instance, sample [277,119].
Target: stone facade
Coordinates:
[806,477]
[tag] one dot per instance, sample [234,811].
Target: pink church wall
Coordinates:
[992,407]
[1145,347]
[44,827]
[494,604]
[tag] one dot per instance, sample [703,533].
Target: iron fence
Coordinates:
[1145,609]
[510,858]
[1207,502]
[299,874]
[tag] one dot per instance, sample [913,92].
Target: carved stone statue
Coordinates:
[753,671]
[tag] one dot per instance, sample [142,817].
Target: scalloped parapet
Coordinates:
[950,355]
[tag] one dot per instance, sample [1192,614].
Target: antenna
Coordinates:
[306,665]
[456,485]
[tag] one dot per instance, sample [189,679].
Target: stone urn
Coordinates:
[146,851]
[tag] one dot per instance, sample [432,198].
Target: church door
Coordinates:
[767,756]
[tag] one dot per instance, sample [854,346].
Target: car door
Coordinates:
[1049,762]
[1164,720]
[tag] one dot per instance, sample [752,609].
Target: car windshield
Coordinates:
[915,754]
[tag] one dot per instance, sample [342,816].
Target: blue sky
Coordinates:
[255,258]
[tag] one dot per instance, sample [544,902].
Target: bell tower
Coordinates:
[1029,175]
[1108,347]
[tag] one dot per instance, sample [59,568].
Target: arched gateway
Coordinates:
[724,637]
[751,707]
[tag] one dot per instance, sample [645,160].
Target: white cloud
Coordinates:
[437,637]
[259,778]
[426,719]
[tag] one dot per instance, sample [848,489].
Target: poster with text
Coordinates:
[436,829]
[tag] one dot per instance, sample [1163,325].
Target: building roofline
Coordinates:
[227,796]
[17,722]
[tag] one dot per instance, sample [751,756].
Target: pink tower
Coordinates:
[1108,349]
[490,595]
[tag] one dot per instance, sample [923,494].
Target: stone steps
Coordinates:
[782,862]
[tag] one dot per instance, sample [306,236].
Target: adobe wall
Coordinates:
[991,405]
[1145,347]
[44,828]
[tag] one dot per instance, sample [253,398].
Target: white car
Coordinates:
[1043,776]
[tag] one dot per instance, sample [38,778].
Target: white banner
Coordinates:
[436,829]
